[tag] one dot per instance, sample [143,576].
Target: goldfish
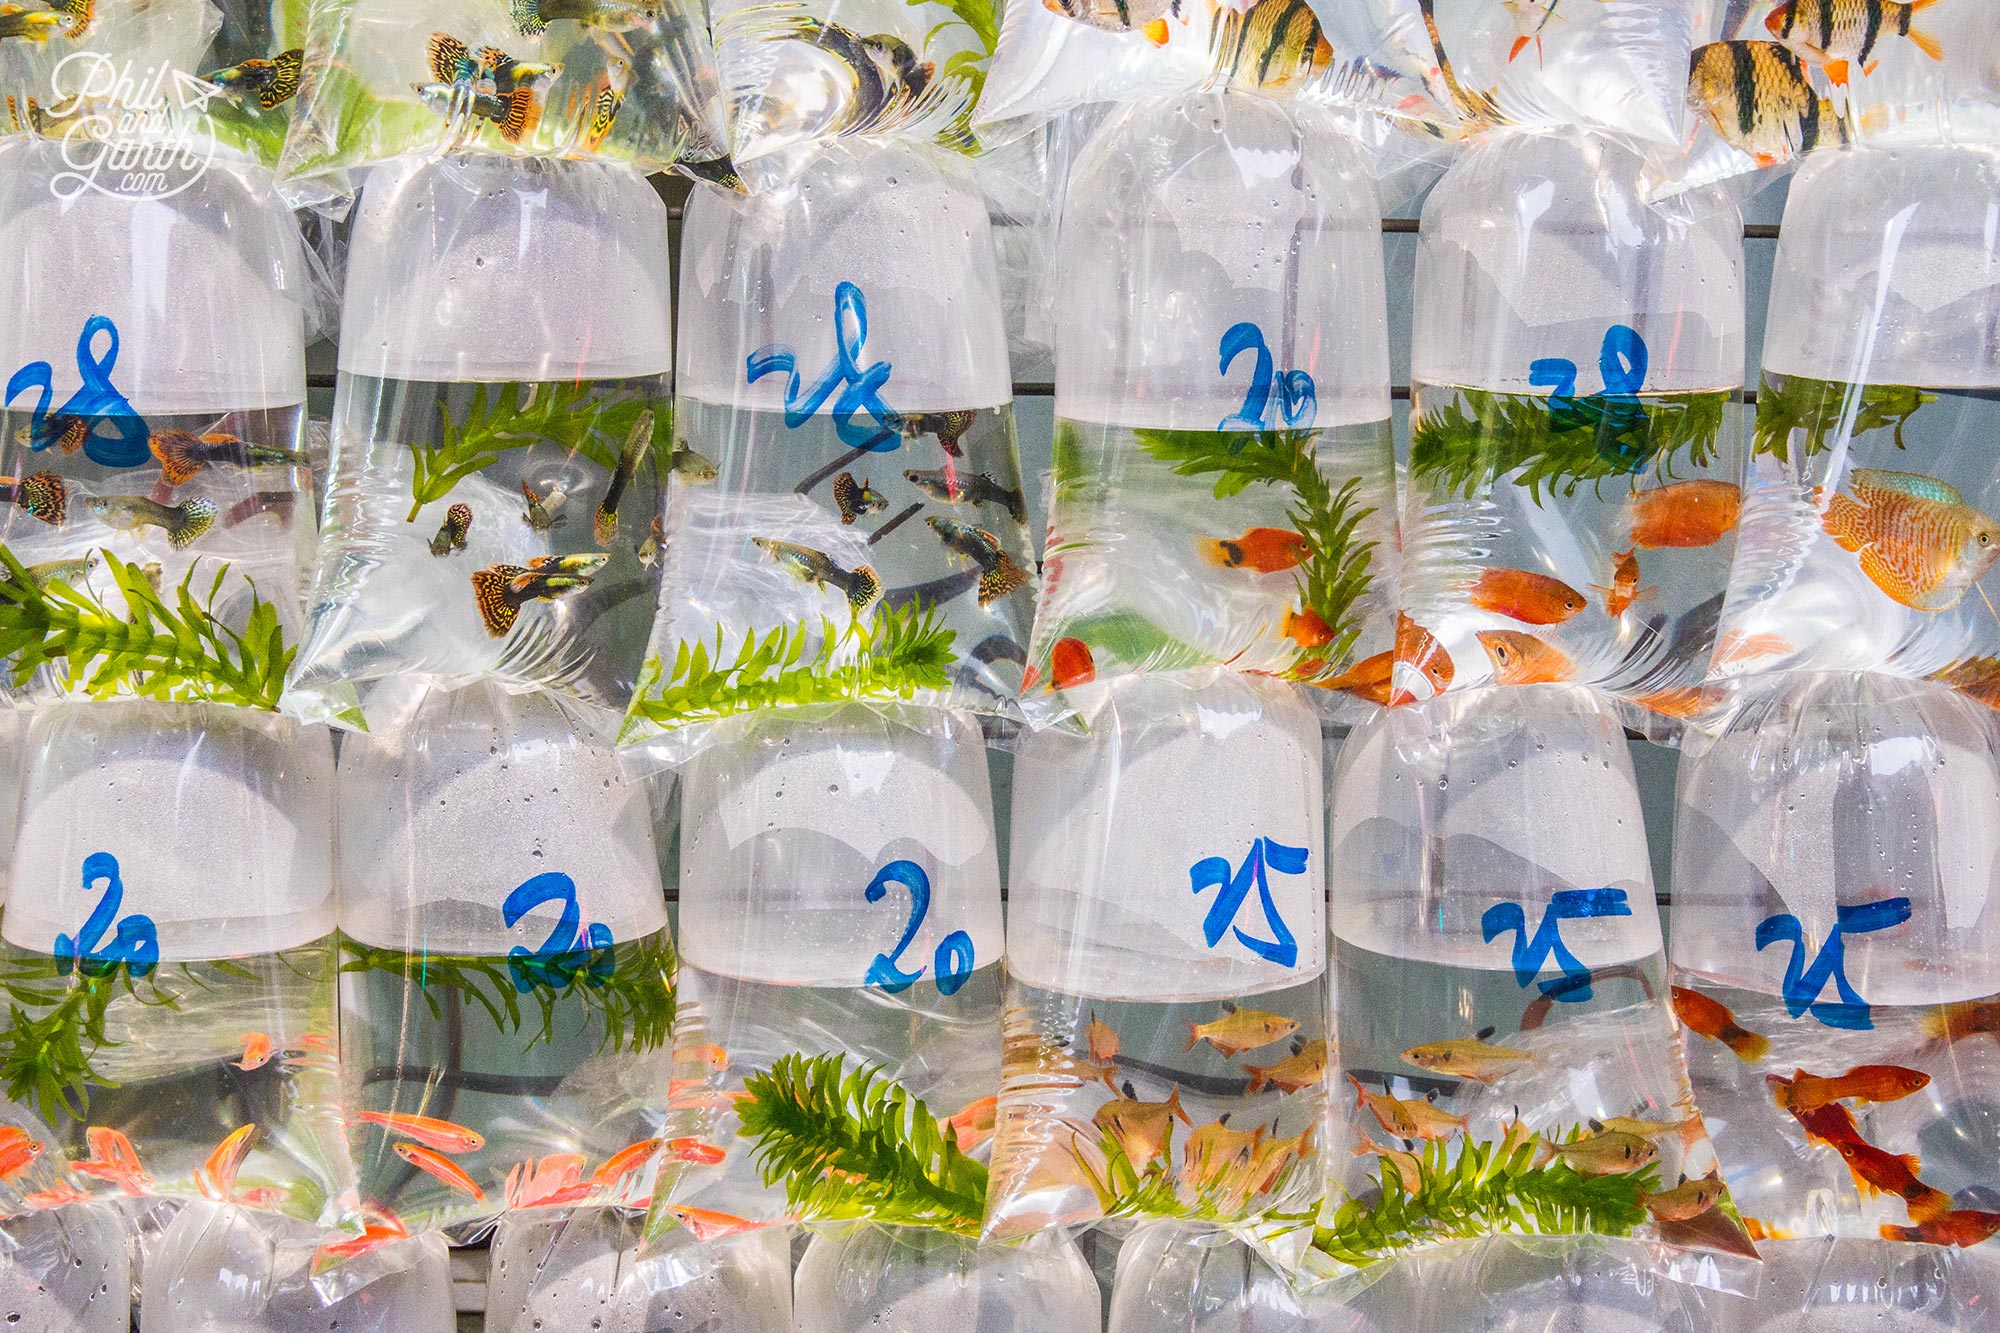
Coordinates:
[1683,701]
[604,523]
[854,498]
[533,17]
[975,1124]
[502,590]
[1464,1057]
[257,1051]
[1685,1201]
[999,573]
[1915,538]
[1417,647]
[709,1225]
[183,523]
[42,494]
[1523,659]
[72,571]
[710,1054]
[442,1167]
[1961,1226]
[113,1158]
[1265,550]
[18,1151]
[1874,1171]
[694,1150]
[442,1135]
[1305,1066]
[1684,514]
[1142,1130]
[860,587]
[1240,1030]
[1523,595]
[1101,1040]
[216,1177]
[265,85]
[1306,628]
[60,429]
[1146,17]
[1624,588]
[1071,664]
[1758,100]
[1835,32]
[1706,1017]
[1963,1018]
[1367,679]
[949,427]
[1605,1153]
[690,466]
[1408,1119]
[953,487]
[452,532]
[1863,1083]
[34,25]
[1271,43]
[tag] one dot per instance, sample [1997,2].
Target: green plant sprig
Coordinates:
[502,417]
[55,1028]
[1791,403]
[851,1144]
[179,652]
[1477,436]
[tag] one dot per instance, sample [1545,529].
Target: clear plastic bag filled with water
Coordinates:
[908,1280]
[66,1270]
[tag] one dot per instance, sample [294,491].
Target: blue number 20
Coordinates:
[1298,400]
[954,952]
[568,949]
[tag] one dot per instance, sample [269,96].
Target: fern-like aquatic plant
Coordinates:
[853,1144]
[56,1027]
[1818,408]
[501,417]
[175,650]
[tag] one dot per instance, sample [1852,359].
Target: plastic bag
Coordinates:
[857,530]
[498,443]
[1868,535]
[1176,1278]
[170,976]
[1574,457]
[906,1280]
[1501,1000]
[66,1269]
[506,983]
[1224,487]
[1166,1014]
[841,935]
[1836,952]
[626,80]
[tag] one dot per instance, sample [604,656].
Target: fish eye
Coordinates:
[1985,538]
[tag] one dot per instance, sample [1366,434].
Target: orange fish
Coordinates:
[1102,1041]
[1305,628]
[383,1228]
[1070,663]
[1863,1083]
[711,1055]
[1624,589]
[442,1167]
[624,1162]
[1976,677]
[1523,659]
[555,1181]
[437,1135]
[1685,1201]
[1409,1170]
[1684,514]
[974,1125]
[1265,550]
[257,1051]
[708,1225]
[1738,646]
[1874,1171]
[1415,1119]
[313,1041]
[694,1150]
[57,1195]
[1301,1069]
[1682,702]
[216,1178]
[1419,648]
[1523,595]
[1961,1226]
[1142,1130]
[113,1158]
[1367,679]
[1240,1030]
[18,1151]
[1963,1018]
[1916,538]
[1711,1018]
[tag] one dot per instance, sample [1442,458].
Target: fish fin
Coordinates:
[1157,32]
[1748,1046]
[1520,45]
[604,526]
[1911,1162]
[1194,1036]
[1485,1033]
[447,54]
[190,521]
[863,587]
[1913,484]
[1908,1235]
[489,586]
[1926,43]
[527,16]
[1003,578]
[1781,1090]
[1175,1109]
[1259,1076]
[1841,521]
[1929,1206]
[171,448]
[1836,73]
[521,115]
[843,497]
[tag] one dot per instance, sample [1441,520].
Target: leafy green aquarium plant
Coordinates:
[850,1143]
[56,1028]
[1819,408]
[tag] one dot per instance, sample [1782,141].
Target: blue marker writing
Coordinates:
[1531,952]
[96,403]
[953,958]
[568,949]
[137,944]
[1214,872]
[1803,983]
[1298,399]
[860,387]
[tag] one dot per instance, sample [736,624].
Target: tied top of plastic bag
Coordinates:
[627,80]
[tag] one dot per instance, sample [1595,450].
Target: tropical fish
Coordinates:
[1523,595]
[113,1158]
[690,1149]
[533,17]
[257,1051]
[1835,32]
[554,1181]
[454,62]
[442,1167]
[1370,678]
[1146,17]
[606,96]
[1305,628]
[1863,1083]
[1874,1171]
[1916,540]
[18,1151]
[1271,43]
[975,1124]
[1240,1030]
[216,1177]
[999,574]
[278,504]
[34,25]
[1706,1017]
[624,1162]
[1419,648]
[1523,659]
[1961,1226]
[1682,702]
[604,523]
[1685,1201]
[183,453]
[1407,1119]
[709,1225]
[1304,1067]
[1142,1129]
[1963,1018]
[855,498]
[502,590]
[72,571]
[1271,1157]
[79,16]
[374,1235]
[58,429]
[515,114]
[1651,1129]
[860,587]
[1759,101]
[1265,550]
[1531,19]
[958,488]
[1408,1167]
[949,427]
[544,510]
[649,550]
[42,494]
[1214,1150]
[1468,1057]
[56,1196]
[269,84]
[1740,646]
[183,523]
[442,1135]
[710,1054]
[1684,514]
[692,467]
[1605,1153]
[451,533]
[884,77]
[1071,664]
[1624,589]
[1101,1040]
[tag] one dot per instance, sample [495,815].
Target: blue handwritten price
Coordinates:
[137,943]
[1297,400]
[1215,872]
[568,949]
[1613,413]
[1532,952]
[1805,982]
[860,386]
[96,402]
[953,959]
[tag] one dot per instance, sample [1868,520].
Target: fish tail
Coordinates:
[1929,1205]
[177,463]
[489,586]
[1003,578]
[527,16]
[1842,522]
[1749,1046]
[1228,554]
[1194,1035]
[1781,1090]
[1913,1164]
[45,496]
[1174,1107]
[522,114]
[844,496]
[1922,40]
[863,587]
[1258,1078]
[190,521]
[604,524]
[1909,1235]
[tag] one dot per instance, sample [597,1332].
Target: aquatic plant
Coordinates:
[502,417]
[178,652]
[853,1143]
[1540,443]
[1819,408]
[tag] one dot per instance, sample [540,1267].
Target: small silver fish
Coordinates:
[183,523]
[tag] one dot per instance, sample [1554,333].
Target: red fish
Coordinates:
[380,1227]
[624,1162]
[113,1158]
[1265,550]
[709,1225]
[1874,1171]
[216,1178]
[1306,628]
[974,1125]
[1418,647]
[437,1135]
[1863,1083]
[1624,588]
[442,1167]
[1961,1226]
[18,1151]
[1523,659]
[694,1150]
[555,1181]
[1711,1018]
[1523,595]
[56,1196]
[257,1051]
[1685,514]
[1963,1018]
[1070,663]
